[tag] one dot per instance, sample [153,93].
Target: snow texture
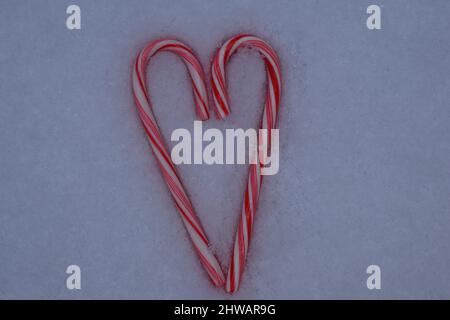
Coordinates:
[364,133]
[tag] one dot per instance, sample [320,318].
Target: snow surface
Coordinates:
[364,133]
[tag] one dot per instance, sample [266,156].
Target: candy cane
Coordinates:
[268,121]
[143,104]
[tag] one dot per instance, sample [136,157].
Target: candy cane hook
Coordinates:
[268,121]
[143,104]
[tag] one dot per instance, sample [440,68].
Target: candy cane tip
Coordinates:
[229,290]
[219,283]
[222,115]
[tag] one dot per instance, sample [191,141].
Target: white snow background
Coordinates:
[364,132]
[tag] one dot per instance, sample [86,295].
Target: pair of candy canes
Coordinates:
[222,109]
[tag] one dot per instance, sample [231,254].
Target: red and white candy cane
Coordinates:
[143,104]
[268,121]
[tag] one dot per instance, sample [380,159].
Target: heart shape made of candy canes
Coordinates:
[222,109]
